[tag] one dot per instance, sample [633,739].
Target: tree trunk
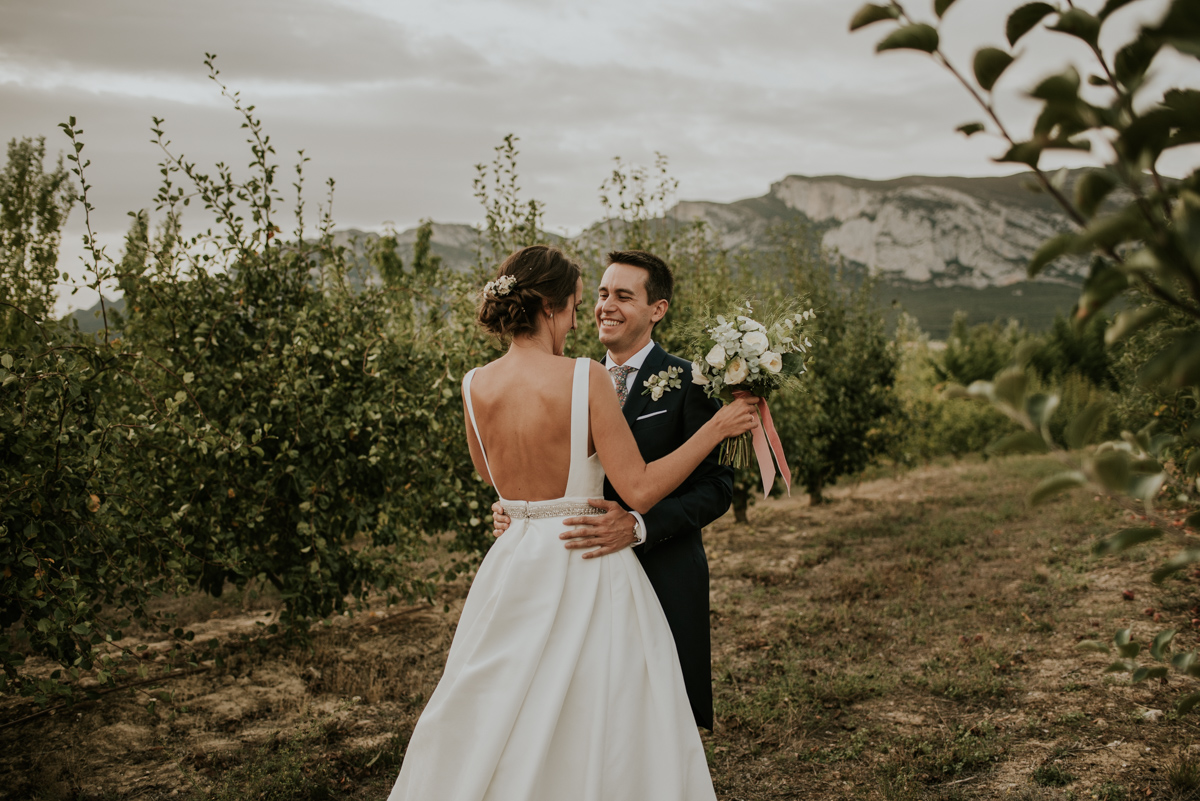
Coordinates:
[815,498]
[741,503]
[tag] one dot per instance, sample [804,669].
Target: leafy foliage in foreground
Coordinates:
[1143,233]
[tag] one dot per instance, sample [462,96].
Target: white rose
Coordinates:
[656,392]
[755,343]
[737,371]
[698,376]
[771,362]
[716,356]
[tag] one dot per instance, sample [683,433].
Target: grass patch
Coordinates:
[916,642]
[785,692]
[1052,776]
[1074,718]
[303,766]
[913,765]
[969,673]
[1183,775]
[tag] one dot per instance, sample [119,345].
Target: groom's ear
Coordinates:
[659,310]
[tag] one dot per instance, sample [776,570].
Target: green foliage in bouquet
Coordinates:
[742,354]
[1142,231]
[745,355]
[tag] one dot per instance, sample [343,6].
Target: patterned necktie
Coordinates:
[620,374]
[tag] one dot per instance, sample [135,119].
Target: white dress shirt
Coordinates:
[635,361]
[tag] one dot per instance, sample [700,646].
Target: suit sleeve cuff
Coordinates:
[639,535]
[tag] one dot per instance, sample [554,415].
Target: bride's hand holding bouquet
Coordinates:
[744,358]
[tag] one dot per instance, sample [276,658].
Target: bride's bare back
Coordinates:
[522,404]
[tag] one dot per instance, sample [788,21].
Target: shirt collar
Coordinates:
[635,361]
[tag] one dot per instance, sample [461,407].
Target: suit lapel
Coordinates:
[636,401]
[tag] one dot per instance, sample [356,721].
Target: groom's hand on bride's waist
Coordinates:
[607,533]
[500,521]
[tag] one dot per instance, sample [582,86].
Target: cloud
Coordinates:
[307,42]
[399,101]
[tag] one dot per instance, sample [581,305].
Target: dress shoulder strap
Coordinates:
[579,424]
[466,388]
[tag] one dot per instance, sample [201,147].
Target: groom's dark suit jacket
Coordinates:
[673,553]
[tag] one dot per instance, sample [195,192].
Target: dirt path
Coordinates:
[916,638]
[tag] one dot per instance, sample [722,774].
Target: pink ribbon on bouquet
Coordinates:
[766,443]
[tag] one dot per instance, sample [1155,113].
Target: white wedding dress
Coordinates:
[562,683]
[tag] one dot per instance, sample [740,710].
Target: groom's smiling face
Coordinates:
[624,316]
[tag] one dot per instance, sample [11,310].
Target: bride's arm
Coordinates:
[642,485]
[476,450]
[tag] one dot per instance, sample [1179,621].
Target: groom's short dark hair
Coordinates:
[660,281]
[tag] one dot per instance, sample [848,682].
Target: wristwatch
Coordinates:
[639,536]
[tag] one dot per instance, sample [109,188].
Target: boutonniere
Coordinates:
[663,381]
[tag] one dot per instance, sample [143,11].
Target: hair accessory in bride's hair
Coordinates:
[500,287]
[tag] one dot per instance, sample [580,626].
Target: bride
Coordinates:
[562,681]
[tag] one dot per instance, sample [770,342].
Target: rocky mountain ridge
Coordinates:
[938,231]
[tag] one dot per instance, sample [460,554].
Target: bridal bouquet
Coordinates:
[746,357]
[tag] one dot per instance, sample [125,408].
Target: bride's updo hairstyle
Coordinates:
[530,280]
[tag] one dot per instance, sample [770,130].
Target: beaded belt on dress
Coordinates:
[519,510]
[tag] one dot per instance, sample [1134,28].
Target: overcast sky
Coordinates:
[398,100]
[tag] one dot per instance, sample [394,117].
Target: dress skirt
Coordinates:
[562,684]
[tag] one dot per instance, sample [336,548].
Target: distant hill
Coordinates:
[89,319]
[943,232]
[1034,304]
[937,244]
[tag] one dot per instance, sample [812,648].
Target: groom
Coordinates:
[635,293]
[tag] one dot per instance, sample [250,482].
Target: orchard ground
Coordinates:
[914,638]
